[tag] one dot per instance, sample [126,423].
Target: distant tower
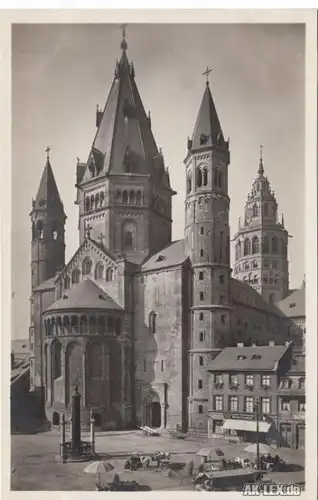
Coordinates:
[207,244]
[48,220]
[261,243]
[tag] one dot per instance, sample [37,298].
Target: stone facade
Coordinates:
[133,318]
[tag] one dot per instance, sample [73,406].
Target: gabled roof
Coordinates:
[48,197]
[258,358]
[84,295]
[294,305]
[124,141]
[207,130]
[171,255]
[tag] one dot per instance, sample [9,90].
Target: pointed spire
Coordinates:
[47,196]
[261,166]
[207,130]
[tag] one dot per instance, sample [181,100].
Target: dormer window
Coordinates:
[203,139]
[240,357]
[160,258]
[256,356]
[292,305]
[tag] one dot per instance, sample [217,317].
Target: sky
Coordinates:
[60,72]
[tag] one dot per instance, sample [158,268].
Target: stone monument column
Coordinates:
[76,423]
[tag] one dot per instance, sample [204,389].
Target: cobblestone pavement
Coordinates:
[34,464]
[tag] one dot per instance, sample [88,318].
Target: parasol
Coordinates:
[98,467]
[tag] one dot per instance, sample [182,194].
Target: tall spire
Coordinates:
[207,130]
[48,195]
[261,166]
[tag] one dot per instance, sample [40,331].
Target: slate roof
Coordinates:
[47,197]
[243,293]
[294,305]
[84,295]
[46,285]
[171,255]
[207,123]
[258,358]
[124,136]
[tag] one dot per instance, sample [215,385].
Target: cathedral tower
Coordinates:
[207,244]
[124,192]
[261,243]
[48,220]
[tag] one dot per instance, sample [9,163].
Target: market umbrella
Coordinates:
[264,449]
[98,467]
[213,454]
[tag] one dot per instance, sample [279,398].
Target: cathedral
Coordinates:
[135,318]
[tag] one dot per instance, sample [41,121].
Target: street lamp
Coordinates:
[257,412]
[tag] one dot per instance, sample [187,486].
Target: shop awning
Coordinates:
[245,425]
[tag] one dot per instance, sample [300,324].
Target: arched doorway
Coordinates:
[155,414]
[56,419]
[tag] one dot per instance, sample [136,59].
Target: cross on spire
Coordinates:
[261,167]
[48,149]
[123,44]
[206,73]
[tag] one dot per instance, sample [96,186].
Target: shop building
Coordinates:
[247,384]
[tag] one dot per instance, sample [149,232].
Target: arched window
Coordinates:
[57,361]
[118,195]
[205,177]
[200,409]
[117,326]
[128,240]
[153,322]
[99,271]
[255,245]
[76,274]
[87,204]
[102,197]
[138,198]
[83,324]
[56,418]
[86,266]
[92,202]
[247,247]
[39,228]
[239,250]
[132,197]
[66,325]
[101,324]
[125,197]
[274,245]
[199,177]
[255,280]
[67,282]
[95,360]
[189,183]
[255,210]
[265,244]
[109,274]
[97,200]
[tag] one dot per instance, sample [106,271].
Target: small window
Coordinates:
[201,336]
[223,319]
[145,365]
[201,360]
[201,275]
[221,299]
[222,280]
[249,380]
[200,384]
[201,296]
[301,406]
[201,316]
[162,365]
[292,305]
[285,405]
[201,230]
[201,253]
[200,408]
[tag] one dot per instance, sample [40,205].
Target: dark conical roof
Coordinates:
[124,134]
[207,130]
[48,196]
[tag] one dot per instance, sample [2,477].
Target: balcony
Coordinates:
[218,385]
[250,387]
[233,386]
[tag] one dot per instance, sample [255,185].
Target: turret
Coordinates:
[48,220]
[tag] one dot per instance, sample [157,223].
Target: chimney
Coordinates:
[271,343]
[240,344]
